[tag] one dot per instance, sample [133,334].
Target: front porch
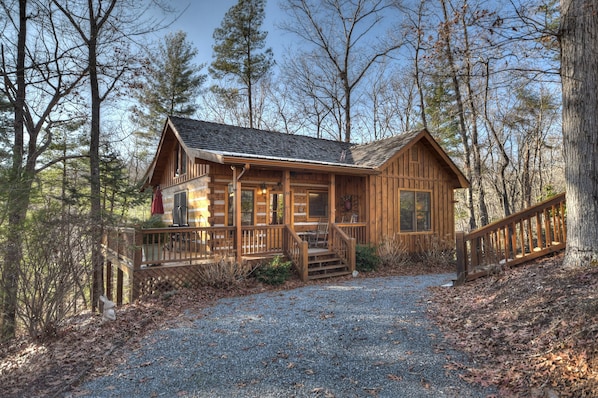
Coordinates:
[147,261]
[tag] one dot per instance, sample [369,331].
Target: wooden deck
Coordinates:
[521,237]
[140,262]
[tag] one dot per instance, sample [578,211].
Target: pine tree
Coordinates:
[170,87]
[239,50]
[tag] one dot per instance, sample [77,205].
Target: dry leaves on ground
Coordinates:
[531,331]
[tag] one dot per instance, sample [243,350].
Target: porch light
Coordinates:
[264,188]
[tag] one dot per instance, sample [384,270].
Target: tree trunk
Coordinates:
[579,57]
[446,36]
[94,167]
[18,200]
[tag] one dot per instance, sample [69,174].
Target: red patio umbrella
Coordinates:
[157,205]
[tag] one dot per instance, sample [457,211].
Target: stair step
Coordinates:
[321,255]
[327,267]
[321,261]
[328,275]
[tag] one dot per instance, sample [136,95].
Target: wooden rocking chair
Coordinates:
[320,238]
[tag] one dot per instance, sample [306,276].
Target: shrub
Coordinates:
[276,272]
[436,252]
[222,274]
[393,252]
[366,259]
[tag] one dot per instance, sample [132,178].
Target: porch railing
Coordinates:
[521,237]
[355,230]
[343,245]
[296,249]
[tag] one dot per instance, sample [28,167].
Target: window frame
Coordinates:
[230,211]
[180,161]
[325,202]
[414,216]
[176,215]
[414,154]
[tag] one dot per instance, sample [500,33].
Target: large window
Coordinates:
[179,211]
[247,207]
[415,211]
[317,205]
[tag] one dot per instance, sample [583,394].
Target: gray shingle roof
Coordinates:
[228,140]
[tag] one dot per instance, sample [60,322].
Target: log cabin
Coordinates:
[400,186]
[247,193]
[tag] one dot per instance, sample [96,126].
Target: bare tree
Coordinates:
[343,35]
[103,25]
[33,65]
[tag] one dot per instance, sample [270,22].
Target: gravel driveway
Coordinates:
[361,338]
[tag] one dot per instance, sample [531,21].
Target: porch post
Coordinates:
[237,223]
[331,199]
[288,201]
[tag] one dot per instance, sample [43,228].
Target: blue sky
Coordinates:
[203,16]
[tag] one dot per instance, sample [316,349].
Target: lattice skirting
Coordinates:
[150,281]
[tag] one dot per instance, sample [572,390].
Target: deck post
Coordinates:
[137,258]
[461,252]
[119,286]
[305,261]
[109,277]
[352,248]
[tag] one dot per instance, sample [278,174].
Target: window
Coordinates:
[179,211]
[247,207]
[415,211]
[180,161]
[317,205]
[414,154]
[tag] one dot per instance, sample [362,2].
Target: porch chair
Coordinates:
[321,235]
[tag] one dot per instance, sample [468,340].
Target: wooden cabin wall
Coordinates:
[194,170]
[353,186]
[301,184]
[197,201]
[402,173]
[222,175]
[195,182]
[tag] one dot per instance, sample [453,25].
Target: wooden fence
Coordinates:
[523,236]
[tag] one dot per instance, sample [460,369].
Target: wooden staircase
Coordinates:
[524,236]
[325,264]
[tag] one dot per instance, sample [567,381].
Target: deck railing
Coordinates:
[296,249]
[343,245]
[263,239]
[355,230]
[521,237]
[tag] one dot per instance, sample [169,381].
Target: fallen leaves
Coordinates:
[531,331]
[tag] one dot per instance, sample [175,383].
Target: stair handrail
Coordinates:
[510,232]
[343,245]
[296,249]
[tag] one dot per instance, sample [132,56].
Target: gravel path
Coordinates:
[361,338]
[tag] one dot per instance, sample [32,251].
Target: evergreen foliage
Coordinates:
[366,258]
[239,49]
[170,86]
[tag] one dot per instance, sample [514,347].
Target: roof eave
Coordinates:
[295,164]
